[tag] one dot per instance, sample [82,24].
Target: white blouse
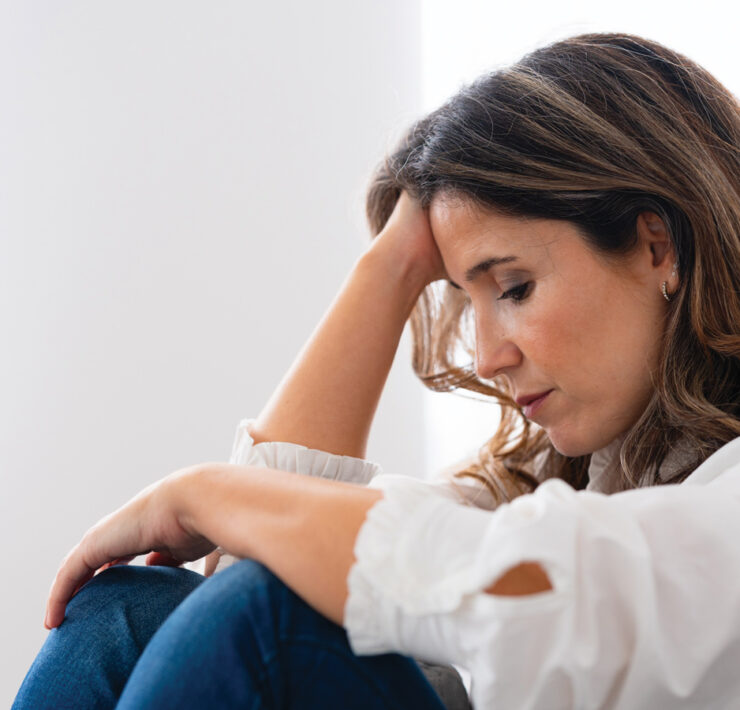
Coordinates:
[645,606]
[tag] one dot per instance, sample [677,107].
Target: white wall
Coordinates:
[181,195]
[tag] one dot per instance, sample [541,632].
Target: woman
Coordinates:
[579,213]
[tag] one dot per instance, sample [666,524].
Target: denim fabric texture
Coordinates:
[138,637]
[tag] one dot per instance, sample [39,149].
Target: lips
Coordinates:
[532,403]
[527,398]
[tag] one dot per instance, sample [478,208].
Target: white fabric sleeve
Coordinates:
[644,610]
[286,456]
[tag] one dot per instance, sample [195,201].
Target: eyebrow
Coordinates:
[472,273]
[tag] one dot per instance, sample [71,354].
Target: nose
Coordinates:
[494,353]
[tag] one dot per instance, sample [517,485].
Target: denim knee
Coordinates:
[219,642]
[246,598]
[245,639]
[247,592]
[85,661]
[142,595]
[247,577]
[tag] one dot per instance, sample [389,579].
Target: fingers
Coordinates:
[162,558]
[72,575]
[212,562]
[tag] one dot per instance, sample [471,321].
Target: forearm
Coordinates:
[328,398]
[301,528]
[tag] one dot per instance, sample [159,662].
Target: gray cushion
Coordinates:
[448,684]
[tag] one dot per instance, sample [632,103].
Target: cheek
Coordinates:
[576,337]
[607,340]
[554,334]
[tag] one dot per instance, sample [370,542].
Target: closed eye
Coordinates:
[517,293]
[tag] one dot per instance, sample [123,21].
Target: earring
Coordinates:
[663,285]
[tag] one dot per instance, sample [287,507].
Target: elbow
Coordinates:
[526,578]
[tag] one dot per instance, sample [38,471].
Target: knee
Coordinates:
[123,582]
[248,601]
[244,598]
[248,576]
[131,590]
[244,581]
[106,627]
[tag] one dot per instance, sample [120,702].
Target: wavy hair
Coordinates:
[594,130]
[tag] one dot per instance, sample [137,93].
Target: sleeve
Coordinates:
[286,456]
[645,600]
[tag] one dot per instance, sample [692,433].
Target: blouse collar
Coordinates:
[604,471]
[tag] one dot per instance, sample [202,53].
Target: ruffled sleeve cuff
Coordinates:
[285,456]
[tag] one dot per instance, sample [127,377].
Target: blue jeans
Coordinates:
[137,637]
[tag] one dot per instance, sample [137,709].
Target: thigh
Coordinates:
[85,662]
[243,639]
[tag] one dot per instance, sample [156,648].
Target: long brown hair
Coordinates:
[594,130]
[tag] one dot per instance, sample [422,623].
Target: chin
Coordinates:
[572,445]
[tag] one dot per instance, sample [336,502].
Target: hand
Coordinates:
[409,232]
[147,523]
[212,562]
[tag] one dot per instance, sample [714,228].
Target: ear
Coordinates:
[653,234]
[655,243]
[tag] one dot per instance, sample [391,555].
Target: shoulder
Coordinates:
[722,462]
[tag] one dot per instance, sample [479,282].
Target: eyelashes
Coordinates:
[517,293]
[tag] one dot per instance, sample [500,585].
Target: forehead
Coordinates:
[467,234]
[463,229]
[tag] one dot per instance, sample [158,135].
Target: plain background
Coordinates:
[181,196]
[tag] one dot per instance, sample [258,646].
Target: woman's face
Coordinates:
[555,316]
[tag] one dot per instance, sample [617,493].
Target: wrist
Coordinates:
[396,266]
[215,500]
[184,490]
